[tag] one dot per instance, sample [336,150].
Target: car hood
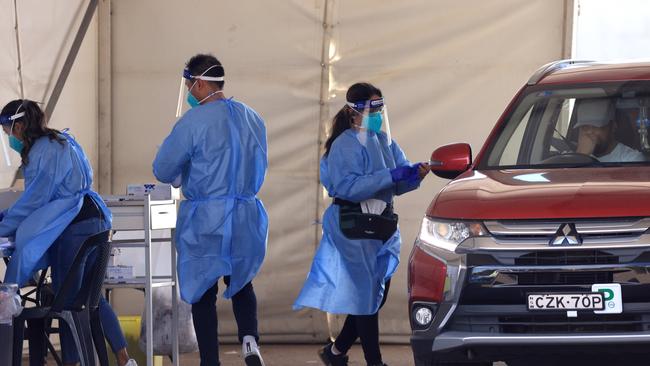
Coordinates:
[546,194]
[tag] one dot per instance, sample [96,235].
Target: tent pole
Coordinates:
[324,113]
[18,51]
[72,55]
[19,173]
[105,101]
[568,31]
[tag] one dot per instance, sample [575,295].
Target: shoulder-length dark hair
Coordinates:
[358,92]
[34,124]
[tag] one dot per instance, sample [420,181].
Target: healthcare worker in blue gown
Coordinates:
[217,153]
[362,169]
[56,213]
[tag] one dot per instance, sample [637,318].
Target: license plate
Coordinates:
[567,301]
[613,297]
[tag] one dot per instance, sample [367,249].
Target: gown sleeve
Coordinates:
[346,177]
[174,153]
[400,160]
[40,186]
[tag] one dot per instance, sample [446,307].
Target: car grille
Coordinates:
[494,296]
[585,323]
[552,323]
[563,278]
[542,231]
[517,320]
[566,257]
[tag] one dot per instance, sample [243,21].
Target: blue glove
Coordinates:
[2,215]
[414,178]
[404,173]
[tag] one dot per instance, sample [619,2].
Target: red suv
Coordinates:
[540,246]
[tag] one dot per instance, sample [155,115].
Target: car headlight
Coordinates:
[448,234]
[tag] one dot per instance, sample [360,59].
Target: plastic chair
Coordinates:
[82,317]
[96,286]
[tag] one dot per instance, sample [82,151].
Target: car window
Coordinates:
[601,126]
[513,146]
[561,130]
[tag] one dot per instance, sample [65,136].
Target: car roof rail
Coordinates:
[552,67]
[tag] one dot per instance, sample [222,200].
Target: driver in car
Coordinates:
[596,133]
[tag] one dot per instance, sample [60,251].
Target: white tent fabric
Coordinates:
[9,85]
[447,70]
[606,32]
[35,37]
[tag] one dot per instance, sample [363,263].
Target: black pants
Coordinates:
[365,327]
[204,314]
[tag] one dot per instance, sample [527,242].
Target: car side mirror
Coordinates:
[450,161]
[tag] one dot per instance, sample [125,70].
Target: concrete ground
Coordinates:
[288,355]
[295,355]
[298,355]
[394,355]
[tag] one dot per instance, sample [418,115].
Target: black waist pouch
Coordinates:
[88,210]
[358,225]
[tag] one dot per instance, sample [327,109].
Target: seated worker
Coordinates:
[53,217]
[596,133]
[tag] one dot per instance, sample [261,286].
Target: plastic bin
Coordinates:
[9,303]
[131,328]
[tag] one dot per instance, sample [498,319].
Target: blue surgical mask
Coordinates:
[193,102]
[372,122]
[16,144]
[191,99]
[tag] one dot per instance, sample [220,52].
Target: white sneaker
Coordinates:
[250,352]
[131,362]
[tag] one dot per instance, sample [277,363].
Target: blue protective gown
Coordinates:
[57,177]
[219,150]
[347,276]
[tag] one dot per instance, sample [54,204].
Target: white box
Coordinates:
[119,272]
[157,191]
[134,256]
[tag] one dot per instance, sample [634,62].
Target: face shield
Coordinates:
[4,146]
[8,121]
[184,94]
[374,119]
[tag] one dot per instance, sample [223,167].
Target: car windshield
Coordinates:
[585,125]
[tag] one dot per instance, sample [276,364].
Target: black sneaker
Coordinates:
[330,359]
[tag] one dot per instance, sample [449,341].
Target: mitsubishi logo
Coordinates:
[566,235]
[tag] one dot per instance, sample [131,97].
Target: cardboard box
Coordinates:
[157,191]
